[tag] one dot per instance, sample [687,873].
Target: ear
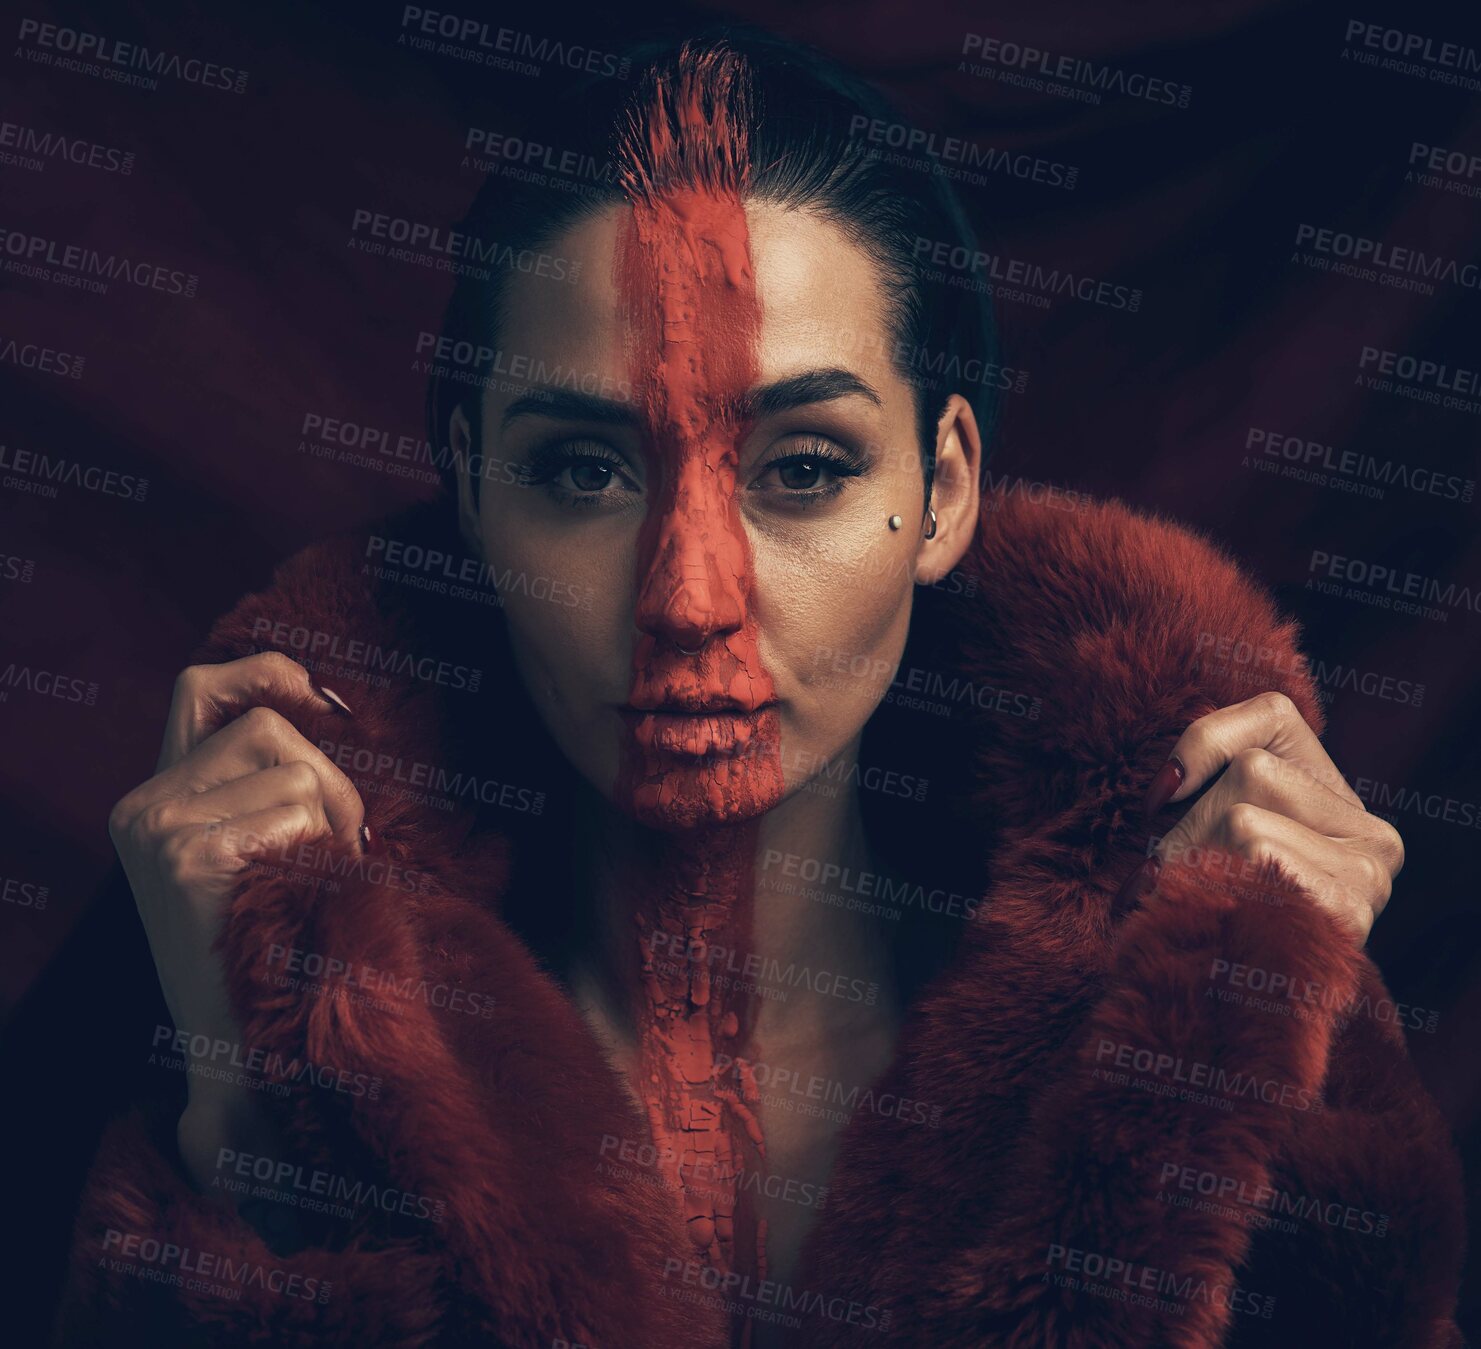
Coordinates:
[955,494]
[469,525]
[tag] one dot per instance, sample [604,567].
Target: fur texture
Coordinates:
[1052,1150]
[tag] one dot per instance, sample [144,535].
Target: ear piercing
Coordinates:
[895,523]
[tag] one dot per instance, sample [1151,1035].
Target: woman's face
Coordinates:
[686,495]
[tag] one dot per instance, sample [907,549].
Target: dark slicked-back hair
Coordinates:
[779,123]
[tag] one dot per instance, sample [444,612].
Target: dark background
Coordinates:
[1197,207]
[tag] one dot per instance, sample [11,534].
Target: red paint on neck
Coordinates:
[685,278]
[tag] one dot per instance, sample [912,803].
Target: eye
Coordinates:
[589,475]
[807,469]
[578,471]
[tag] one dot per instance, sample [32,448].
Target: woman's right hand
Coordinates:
[235,781]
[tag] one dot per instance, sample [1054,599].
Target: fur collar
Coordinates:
[1077,642]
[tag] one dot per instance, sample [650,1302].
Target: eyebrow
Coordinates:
[810,386]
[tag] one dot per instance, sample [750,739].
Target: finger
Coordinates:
[1349,883]
[284,784]
[208,696]
[1268,721]
[1258,777]
[261,834]
[259,740]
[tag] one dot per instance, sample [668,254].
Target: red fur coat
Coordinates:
[1079,1186]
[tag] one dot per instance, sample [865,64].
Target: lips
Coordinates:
[696,734]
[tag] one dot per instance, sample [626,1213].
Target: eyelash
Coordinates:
[839,460]
[552,458]
[548,460]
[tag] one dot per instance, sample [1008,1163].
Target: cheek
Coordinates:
[834,609]
[568,608]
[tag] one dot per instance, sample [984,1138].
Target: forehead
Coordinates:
[820,302]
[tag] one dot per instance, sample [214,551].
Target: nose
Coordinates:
[695,578]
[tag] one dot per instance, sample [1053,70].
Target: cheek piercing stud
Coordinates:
[896,522]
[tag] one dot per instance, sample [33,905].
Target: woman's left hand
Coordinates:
[1276,797]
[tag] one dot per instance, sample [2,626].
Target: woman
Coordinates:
[648,966]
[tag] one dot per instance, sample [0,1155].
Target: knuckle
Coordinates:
[174,854]
[260,721]
[277,665]
[1376,875]
[121,818]
[1243,826]
[191,681]
[151,827]
[1277,705]
[1254,767]
[1391,846]
[302,780]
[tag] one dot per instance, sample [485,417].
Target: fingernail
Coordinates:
[1169,778]
[1136,887]
[365,838]
[335,699]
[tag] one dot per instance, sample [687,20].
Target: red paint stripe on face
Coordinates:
[701,751]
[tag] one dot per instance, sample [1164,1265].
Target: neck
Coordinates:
[760,881]
[702,947]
